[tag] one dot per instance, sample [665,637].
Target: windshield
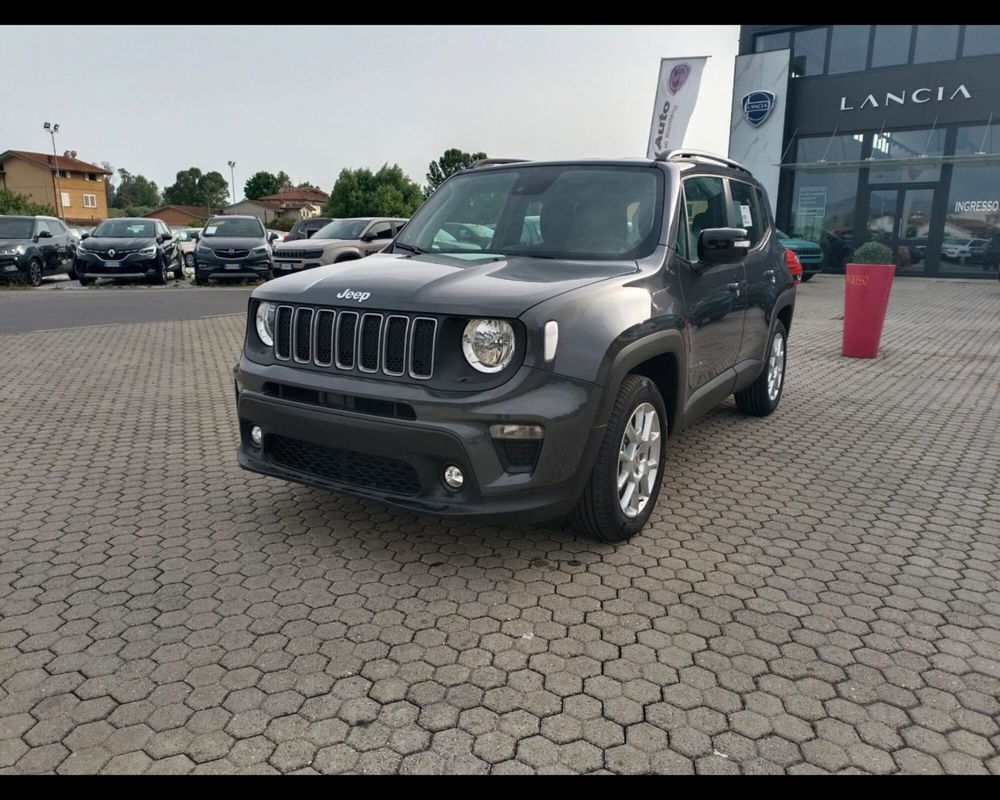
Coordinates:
[15,228]
[125,229]
[568,212]
[341,229]
[234,227]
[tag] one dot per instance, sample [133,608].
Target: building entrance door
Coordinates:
[900,218]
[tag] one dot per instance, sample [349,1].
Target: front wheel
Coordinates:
[621,491]
[34,276]
[160,278]
[179,270]
[762,396]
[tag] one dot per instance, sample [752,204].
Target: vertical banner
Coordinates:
[676,94]
[757,122]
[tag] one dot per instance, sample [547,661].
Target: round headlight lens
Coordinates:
[265,322]
[488,344]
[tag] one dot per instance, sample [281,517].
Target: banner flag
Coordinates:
[676,94]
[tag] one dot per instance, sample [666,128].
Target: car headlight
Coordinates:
[12,251]
[262,249]
[265,322]
[148,251]
[488,344]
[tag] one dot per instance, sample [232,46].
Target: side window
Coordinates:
[765,217]
[42,225]
[56,227]
[705,203]
[381,230]
[746,212]
[398,225]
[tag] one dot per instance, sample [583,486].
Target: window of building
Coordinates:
[64,173]
[892,145]
[772,41]
[829,148]
[65,199]
[981,40]
[823,205]
[91,176]
[891,45]
[935,43]
[746,211]
[972,219]
[90,201]
[848,48]
[972,139]
[809,52]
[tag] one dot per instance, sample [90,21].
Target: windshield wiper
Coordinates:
[408,248]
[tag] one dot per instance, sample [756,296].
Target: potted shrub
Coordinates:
[866,297]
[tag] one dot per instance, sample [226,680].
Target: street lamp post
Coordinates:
[232,173]
[53,129]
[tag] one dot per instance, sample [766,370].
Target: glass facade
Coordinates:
[935,43]
[981,40]
[972,221]
[848,48]
[809,52]
[890,146]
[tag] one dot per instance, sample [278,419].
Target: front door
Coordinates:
[900,218]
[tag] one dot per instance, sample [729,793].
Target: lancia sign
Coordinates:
[757,106]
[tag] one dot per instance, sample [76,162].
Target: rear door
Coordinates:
[48,246]
[748,210]
[713,293]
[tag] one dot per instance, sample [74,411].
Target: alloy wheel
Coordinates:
[638,460]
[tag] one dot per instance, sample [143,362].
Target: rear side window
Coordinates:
[747,212]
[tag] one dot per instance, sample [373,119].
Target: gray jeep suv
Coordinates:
[539,375]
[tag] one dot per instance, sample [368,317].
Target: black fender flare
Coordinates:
[348,254]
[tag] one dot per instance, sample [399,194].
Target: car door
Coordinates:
[748,210]
[63,240]
[376,237]
[48,246]
[713,293]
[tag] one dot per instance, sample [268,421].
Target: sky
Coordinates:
[312,100]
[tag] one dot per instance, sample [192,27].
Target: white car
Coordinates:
[187,240]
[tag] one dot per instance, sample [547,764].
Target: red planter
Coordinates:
[866,297]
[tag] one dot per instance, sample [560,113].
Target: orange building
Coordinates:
[74,188]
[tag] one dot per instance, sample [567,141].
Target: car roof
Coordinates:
[696,160]
[131,219]
[234,216]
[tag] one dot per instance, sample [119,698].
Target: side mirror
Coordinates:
[44,235]
[167,237]
[84,236]
[273,237]
[368,237]
[722,245]
[195,236]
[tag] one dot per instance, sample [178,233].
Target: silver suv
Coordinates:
[341,240]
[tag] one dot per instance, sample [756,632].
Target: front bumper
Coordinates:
[212,266]
[132,266]
[11,267]
[449,429]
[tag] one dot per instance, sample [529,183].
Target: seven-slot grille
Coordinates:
[369,342]
[289,254]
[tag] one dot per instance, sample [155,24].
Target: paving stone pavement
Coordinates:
[817,591]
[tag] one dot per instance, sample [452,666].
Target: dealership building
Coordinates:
[877,132]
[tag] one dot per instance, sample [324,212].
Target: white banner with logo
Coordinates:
[676,94]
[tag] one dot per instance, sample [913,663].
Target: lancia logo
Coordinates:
[757,106]
[678,75]
[111,253]
[350,294]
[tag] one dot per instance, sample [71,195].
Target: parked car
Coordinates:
[305,228]
[33,247]
[794,265]
[129,248]
[964,250]
[342,240]
[187,239]
[233,247]
[531,380]
[809,254]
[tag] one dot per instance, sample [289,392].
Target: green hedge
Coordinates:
[872,253]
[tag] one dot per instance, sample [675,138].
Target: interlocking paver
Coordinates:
[829,606]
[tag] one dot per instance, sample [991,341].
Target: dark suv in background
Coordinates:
[32,247]
[305,228]
[233,247]
[540,374]
[129,248]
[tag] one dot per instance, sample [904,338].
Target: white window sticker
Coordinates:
[210,229]
[747,217]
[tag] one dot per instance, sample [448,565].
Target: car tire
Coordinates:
[189,260]
[599,512]
[85,281]
[808,276]
[33,277]
[179,272]
[71,274]
[160,278]
[199,280]
[762,396]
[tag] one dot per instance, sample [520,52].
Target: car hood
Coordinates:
[796,244]
[118,243]
[431,284]
[232,242]
[296,244]
[15,242]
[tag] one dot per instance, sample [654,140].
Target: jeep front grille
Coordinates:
[297,255]
[369,342]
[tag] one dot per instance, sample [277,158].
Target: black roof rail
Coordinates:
[684,153]
[489,162]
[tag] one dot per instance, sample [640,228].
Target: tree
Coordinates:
[135,190]
[262,184]
[20,204]
[451,161]
[109,187]
[306,185]
[386,193]
[192,188]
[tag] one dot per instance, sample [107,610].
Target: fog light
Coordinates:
[517,431]
[453,477]
[256,436]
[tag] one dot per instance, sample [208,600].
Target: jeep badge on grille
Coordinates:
[350,294]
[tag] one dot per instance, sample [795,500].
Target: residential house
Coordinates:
[182,215]
[291,203]
[75,189]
